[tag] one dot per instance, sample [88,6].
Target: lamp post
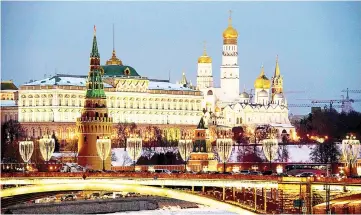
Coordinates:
[103,149]
[185,147]
[270,148]
[350,150]
[47,146]
[224,148]
[134,148]
[26,149]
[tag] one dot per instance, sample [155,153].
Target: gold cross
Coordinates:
[230,18]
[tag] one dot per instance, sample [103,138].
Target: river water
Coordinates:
[192,211]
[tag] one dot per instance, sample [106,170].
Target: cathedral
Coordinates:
[227,106]
[52,105]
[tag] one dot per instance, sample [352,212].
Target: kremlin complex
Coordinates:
[114,93]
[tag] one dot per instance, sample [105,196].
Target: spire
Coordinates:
[95,86]
[184,79]
[204,48]
[277,69]
[262,71]
[113,41]
[114,60]
[95,52]
[230,18]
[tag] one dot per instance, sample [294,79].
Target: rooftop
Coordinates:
[8,85]
[79,80]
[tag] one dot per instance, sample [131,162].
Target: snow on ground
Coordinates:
[297,154]
[122,158]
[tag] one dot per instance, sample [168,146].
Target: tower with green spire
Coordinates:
[94,122]
[277,81]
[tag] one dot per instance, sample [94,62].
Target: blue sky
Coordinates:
[318,43]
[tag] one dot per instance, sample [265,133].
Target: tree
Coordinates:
[57,144]
[329,123]
[283,154]
[11,133]
[326,152]
[124,131]
[72,147]
[239,135]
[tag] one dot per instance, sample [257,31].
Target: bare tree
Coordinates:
[11,133]
[72,147]
[124,131]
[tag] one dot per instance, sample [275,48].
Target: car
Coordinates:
[118,195]
[70,197]
[306,174]
[176,171]
[162,171]
[244,172]
[282,174]
[255,173]
[267,172]
[107,196]
[95,196]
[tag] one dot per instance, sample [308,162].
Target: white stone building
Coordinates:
[229,107]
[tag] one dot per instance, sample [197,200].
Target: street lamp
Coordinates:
[26,149]
[134,148]
[185,147]
[103,148]
[270,148]
[47,146]
[224,148]
[350,150]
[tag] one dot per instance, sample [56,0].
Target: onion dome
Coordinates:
[262,81]
[230,35]
[263,93]
[204,58]
[244,95]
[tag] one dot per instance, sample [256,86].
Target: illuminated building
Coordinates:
[230,107]
[54,103]
[9,99]
[94,122]
[202,158]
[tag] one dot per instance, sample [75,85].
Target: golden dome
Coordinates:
[262,81]
[230,35]
[204,58]
[217,109]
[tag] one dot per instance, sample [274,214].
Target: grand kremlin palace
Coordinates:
[52,105]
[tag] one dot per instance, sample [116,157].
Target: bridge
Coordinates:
[242,194]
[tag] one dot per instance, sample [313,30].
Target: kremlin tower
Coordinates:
[94,122]
[229,67]
[277,81]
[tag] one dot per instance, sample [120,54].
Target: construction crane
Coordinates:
[351,91]
[314,105]
[344,104]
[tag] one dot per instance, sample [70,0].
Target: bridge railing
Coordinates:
[137,175]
